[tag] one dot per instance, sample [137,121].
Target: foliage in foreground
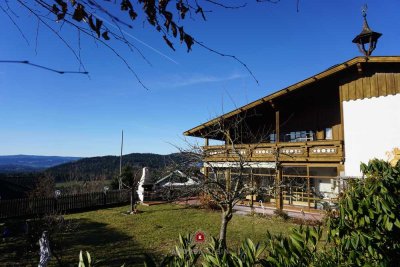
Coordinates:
[367,229]
[298,249]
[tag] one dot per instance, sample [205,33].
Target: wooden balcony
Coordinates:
[310,151]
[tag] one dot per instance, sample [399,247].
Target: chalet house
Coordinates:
[318,130]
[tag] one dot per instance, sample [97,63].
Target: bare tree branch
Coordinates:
[15,24]
[226,6]
[163,16]
[43,67]
[226,55]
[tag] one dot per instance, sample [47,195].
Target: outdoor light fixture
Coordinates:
[366,37]
[105,189]
[57,193]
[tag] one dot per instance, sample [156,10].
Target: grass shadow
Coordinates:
[110,246]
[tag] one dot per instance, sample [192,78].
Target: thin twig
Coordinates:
[55,32]
[225,6]
[113,50]
[226,55]
[15,24]
[37,36]
[43,67]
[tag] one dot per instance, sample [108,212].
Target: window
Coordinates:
[310,136]
[292,136]
[272,138]
[328,134]
[300,136]
[323,171]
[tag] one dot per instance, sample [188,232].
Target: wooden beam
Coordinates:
[359,68]
[278,189]
[308,188]
[277,126]
[272,103]
[228,179]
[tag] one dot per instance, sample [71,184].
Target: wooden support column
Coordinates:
[277,121]
[228,179]
[277,126]
[252,186]
[278,189]
[308,188]
[227,145]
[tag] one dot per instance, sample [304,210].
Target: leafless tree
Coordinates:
[230,182]
[130,178]
[75,184]
[44,187]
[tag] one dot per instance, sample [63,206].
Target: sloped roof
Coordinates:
[169,180]
[169,176]
[328,72]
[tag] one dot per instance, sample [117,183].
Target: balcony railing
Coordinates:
[327,150]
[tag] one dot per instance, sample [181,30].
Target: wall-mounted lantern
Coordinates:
[366,41]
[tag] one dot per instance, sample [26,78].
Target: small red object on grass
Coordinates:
[200,237]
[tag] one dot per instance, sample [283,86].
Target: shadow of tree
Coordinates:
[166,210]
[110,246]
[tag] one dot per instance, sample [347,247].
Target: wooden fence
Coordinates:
[37,206]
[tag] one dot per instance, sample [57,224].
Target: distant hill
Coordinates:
[107,166]
[31,163]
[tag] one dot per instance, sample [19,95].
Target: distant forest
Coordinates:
[107,167]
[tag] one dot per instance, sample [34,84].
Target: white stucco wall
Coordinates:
[371,128]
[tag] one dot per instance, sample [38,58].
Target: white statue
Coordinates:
[142,181]
[45,253]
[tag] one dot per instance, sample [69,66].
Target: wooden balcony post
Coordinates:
[252,187]
[277,131]
[308,188]
[227,144]
[228,179]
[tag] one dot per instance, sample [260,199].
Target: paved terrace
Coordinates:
[240,209]
[299,214]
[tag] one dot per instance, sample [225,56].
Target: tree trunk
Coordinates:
[279,194]
[133,208]
[252,190]
[226,217]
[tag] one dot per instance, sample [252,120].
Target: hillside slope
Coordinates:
[108,166]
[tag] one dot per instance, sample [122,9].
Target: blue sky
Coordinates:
[50,114]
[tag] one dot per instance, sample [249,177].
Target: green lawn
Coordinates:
[117,238]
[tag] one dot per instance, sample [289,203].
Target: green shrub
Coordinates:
[298,249]
[367,229]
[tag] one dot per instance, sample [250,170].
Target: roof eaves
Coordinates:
[310,80]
